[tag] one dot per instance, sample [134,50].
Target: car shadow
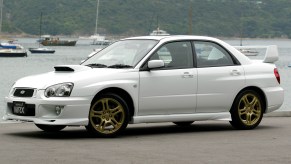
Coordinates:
[174,129]
[132,131]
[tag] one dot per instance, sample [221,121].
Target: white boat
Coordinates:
[12,50]
[249,50]
[98,39]
[41,50]
[159,32]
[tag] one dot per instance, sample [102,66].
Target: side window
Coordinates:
[163,54]
[211,55]
[175,55]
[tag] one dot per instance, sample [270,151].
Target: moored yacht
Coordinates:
[159,32]
[12,50]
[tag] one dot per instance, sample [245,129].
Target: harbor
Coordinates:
[119,91]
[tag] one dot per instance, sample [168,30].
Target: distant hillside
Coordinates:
[228,18]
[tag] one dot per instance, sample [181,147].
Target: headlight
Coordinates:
[59,90]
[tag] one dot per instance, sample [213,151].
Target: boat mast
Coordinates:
[158,26]
[190,19]
[40,32]
[97,7]
[1,7]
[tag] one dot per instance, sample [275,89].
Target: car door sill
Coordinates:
[182,117]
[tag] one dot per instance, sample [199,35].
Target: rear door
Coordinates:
[220,77]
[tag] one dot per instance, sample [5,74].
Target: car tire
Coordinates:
[108,116]
[247,110]
[184,123]
[50,128]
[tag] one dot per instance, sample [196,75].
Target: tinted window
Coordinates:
[211,55]
[175,55]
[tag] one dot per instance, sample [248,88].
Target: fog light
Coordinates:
[59,109]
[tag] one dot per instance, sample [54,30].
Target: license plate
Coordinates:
[19,108]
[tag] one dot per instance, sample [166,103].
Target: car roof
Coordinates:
[173,37]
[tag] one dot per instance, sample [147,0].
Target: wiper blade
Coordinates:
[97,65]
[120,66]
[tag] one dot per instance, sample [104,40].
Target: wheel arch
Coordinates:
[257,90]
[120,92]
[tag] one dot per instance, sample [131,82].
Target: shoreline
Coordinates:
[12,36]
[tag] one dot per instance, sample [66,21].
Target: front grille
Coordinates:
[23,92]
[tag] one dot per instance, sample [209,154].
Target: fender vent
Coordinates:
[66,69]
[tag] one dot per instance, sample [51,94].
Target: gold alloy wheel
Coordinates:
[249,109]
[107,115]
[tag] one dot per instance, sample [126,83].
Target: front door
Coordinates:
[171,89]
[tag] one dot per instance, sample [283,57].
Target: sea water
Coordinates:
[12,69]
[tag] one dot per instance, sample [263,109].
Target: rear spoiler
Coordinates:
[271,55]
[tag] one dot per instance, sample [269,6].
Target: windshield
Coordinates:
[121,54]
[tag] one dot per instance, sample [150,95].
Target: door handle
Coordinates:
[187,75]
[235,72]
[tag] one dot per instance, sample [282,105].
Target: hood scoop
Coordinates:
[70,68]
[63,69]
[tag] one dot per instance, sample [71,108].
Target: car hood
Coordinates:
[66,73]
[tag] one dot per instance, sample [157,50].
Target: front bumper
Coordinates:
[75,110]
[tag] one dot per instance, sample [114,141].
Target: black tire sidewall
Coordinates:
[236,121]
[116,97]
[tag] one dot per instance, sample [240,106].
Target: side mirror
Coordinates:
[156,64]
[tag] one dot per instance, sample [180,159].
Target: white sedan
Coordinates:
[179,79]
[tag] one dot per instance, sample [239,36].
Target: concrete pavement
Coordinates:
[203,142]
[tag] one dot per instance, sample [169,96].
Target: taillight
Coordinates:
[277,75]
